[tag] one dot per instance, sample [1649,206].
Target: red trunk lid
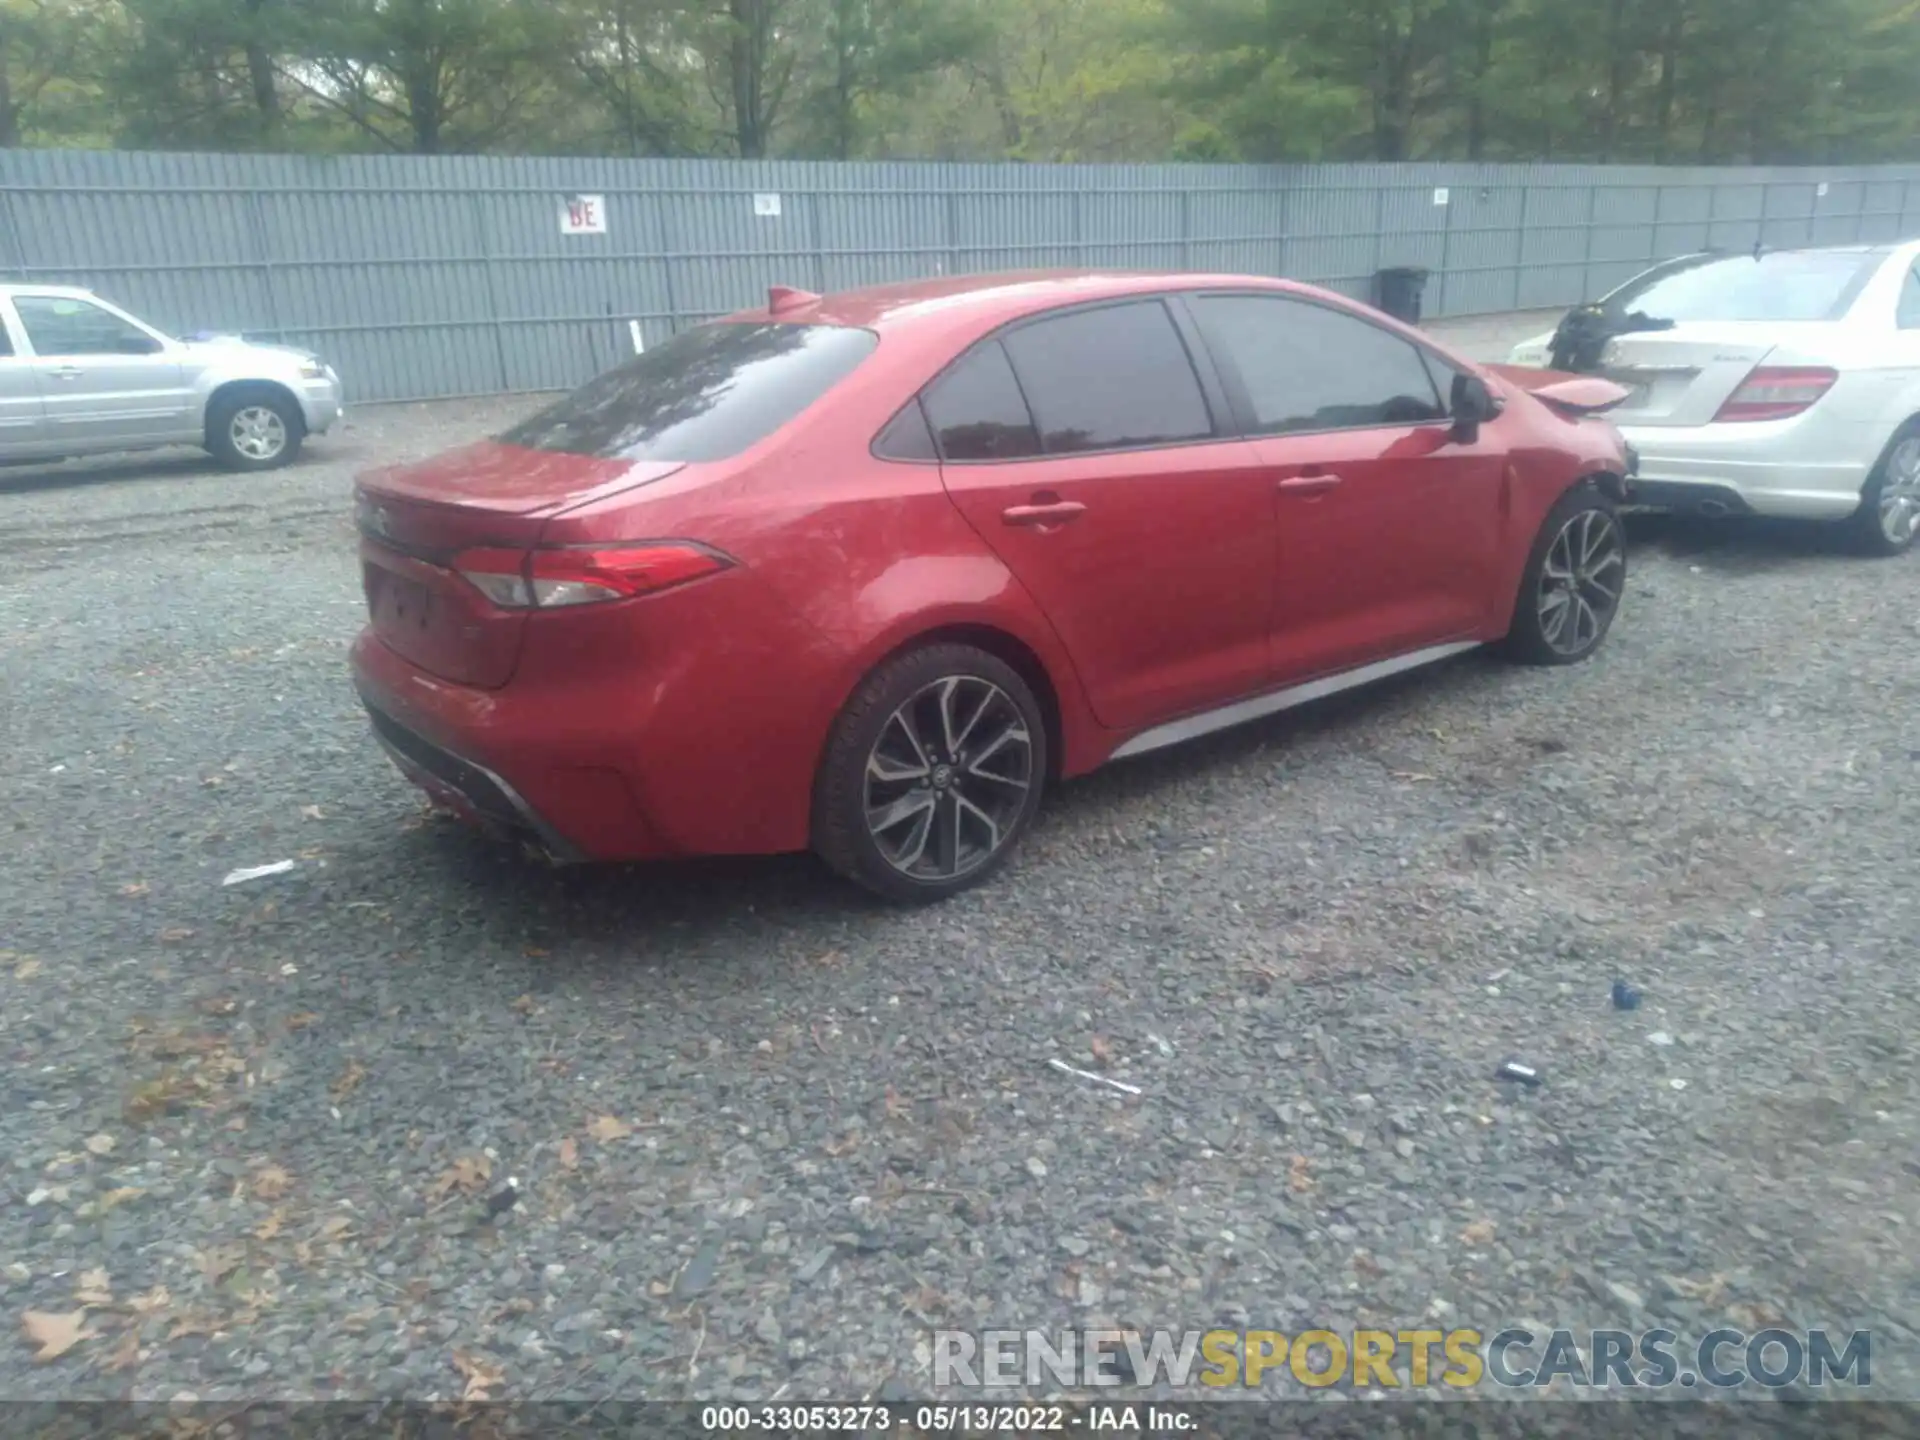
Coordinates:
[414,519]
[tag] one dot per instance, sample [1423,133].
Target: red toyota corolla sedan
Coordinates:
[865,573]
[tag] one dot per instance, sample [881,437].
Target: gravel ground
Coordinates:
[767,1134]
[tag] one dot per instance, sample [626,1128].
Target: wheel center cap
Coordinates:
[942,776]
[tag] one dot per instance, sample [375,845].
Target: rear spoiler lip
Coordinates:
[1575,396]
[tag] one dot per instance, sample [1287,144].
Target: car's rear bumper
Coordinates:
[1799,469]
[498,762]
[471,789]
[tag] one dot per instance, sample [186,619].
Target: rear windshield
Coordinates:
[706,394]
[1785,285]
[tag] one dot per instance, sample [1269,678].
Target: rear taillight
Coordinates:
[584,575]
[1773,392]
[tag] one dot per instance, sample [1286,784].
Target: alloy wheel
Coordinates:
[1581,582]
[948,778]
[1900,493]
[258,432]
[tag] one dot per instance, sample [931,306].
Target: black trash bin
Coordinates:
[1397,291]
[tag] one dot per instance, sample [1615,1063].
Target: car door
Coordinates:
[1082,446]
[22,424]
[1388,527]
[104,381]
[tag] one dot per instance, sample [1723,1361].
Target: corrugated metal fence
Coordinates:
[455,275]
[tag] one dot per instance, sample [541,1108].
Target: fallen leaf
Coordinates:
[349,1080]
[219,1262]
[192,1325]
[100,1144]
[569,1154]
[468,1175]
[534,952]
[174,934]
[54,1334]
[895,1105]
[313,812]
[481,1376]
[1300,1175]
[845,1145]
[154,1300]
[127,1353]
[1411,777]
[299,1022]
[94,1287]
[270,1227]
[271,1183]
[608,1128]
[219,1005]
[1101,1051]
[119,1197]
[1480,1232]
[1365,1266]
[26,970]
[136,889]
[336,1229]
[526,1005]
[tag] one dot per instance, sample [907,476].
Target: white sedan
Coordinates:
[1788,383]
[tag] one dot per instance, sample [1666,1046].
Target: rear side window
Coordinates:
[1910,301]
[706,394]
[1783,285]
[977,411]
[1109,378]
[907,436]
[1304,367]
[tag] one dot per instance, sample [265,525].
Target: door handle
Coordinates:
[1308,484]
[1055,512]
[65,372]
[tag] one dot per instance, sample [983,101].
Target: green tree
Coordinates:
[48,51]
[632,57]
[871,51]
[202,73]
[427,75]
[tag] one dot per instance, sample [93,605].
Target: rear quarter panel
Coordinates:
[843,559]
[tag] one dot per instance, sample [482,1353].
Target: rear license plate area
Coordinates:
[403,604]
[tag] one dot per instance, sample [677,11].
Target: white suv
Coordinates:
[79,376]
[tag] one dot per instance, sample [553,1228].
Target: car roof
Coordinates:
[70,292]
[970,302]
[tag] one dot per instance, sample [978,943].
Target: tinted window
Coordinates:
[1309,367]
[1105,378]
[907,436]
[977,411]
[1783,285]
[707,393]
[73,327]
[1910,301]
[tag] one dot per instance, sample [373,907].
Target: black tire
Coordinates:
[1537,633]
[869,770]
[237,451]
[1865,528]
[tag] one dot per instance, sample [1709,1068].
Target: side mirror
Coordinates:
[1471,405]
